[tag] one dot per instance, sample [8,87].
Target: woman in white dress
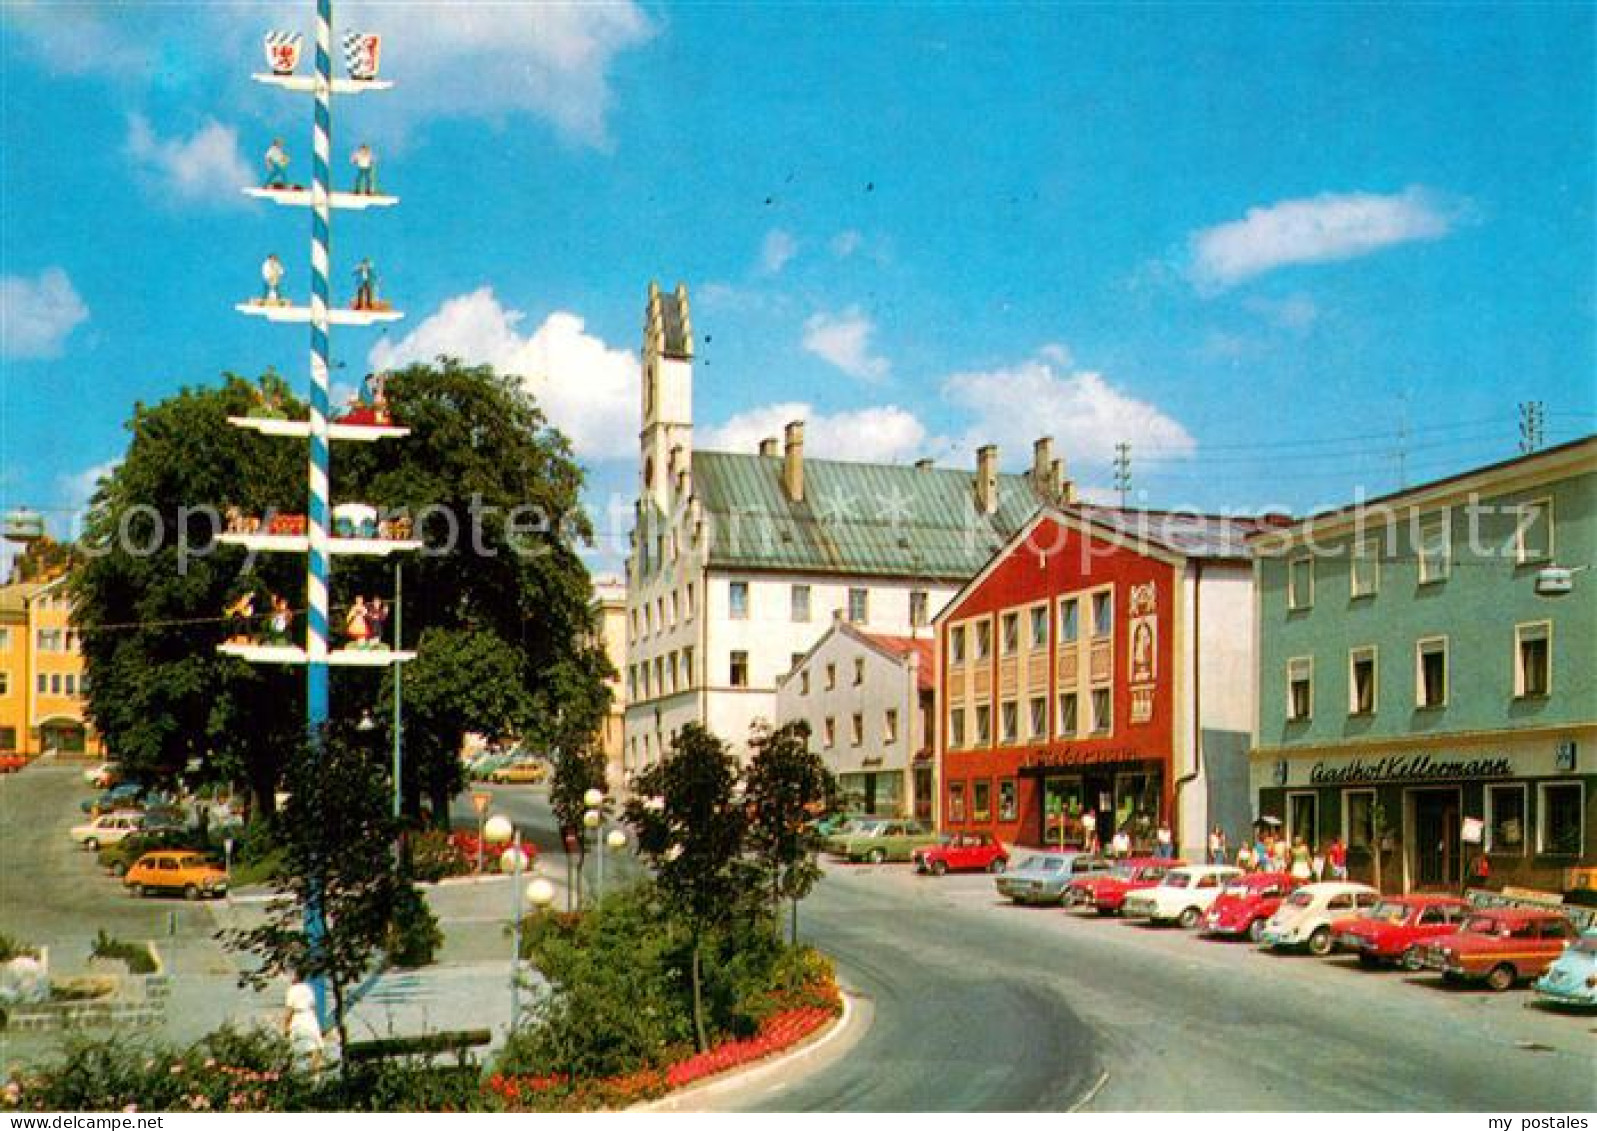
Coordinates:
[301,1028]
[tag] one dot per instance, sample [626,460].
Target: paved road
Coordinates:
[983,1006]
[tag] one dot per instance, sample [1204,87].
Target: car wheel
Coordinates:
[1367,959]
[136,890]
[1256,930]
[1320,942]
[1104,910]
[191,893]
[876,856]
[1502,977]
[1189,918]
[997,866]
[1411,959]
[939,867]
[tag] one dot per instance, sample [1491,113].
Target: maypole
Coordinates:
[263,635]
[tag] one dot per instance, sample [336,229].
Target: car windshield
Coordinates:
[1388,912]
[1043,864]
[1123,872]
[869,828]
[1176,880]
[1300,899]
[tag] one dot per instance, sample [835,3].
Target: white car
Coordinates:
[100,776]
[1305,916]
[1182,896]
[107,828]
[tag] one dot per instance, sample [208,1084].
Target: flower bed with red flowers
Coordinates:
[798,1015]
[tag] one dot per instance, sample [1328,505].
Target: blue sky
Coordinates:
[1256,243]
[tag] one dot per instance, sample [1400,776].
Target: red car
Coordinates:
[1500,947]
[1395,929]
[1106,893]
[961,852]
[1247,903]
[10,763]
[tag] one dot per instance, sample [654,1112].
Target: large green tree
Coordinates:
[787,787]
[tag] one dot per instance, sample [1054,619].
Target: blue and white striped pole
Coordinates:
[317,570]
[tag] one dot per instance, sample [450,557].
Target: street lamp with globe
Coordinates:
[498,830]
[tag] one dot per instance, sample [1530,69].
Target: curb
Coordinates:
[807,1049]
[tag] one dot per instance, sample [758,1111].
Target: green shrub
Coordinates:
[414,936]
[12,948]
[137,955]
[435,856]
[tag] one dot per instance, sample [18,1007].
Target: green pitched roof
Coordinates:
[855,518]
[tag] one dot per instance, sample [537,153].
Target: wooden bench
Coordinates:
[456,1041]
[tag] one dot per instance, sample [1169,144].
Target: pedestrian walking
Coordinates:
[1164,843]
[1218,850]
[1278,853]
[1121,844]
[1336,859]
[1302,868]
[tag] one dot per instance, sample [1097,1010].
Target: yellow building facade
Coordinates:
[42,685]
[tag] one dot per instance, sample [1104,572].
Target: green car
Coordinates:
[878,840]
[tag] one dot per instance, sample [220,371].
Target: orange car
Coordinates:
[175,871]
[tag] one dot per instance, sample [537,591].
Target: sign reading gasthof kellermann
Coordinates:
[1524,758]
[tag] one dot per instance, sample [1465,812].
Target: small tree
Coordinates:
[689,823]
[787,787]
[337,868]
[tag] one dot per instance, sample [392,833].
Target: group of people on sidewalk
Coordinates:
[1270,851]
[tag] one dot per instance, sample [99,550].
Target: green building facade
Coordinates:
[1427,679]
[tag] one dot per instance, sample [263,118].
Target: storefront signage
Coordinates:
[1419,767]
[1083,756]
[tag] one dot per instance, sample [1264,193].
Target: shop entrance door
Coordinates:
[923,793]
[1433,837]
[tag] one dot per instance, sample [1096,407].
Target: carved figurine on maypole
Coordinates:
[363,624]
[362,53]
[365,170]
[242,611]
[282,51]
[276,166]
[271,279]
[366,287]
[370,407]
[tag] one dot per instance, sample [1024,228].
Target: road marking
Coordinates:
[1092,1094]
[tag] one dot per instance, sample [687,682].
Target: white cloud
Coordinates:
[36,315]
[78,39]
[1295,312]
[779,247]
[1084,413]
[846,243]
[207,166]
[588,389]
[880,434]
[1328,227]
[844,339]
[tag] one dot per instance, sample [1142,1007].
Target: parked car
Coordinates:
[1247,902]
[1395,928]
[837,822]
[1106,892]
[124,795]
[1572,978]
[1500,947]
[11,763]
[119,857]
[107,828]
[479,767]
[1304,917]
[103,776]
[1045,877]
[876,841]
[961,852]
[1183,896]
[523,771]
[170,872]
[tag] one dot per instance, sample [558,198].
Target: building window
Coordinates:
[659,675]
[829,728]
[856,729]
[831,676]
[984,725]
[984,639]
[1102,711]
[738,599]
[1010,640]
[43,684]
[1358,816]
[1533,531]
[55,684]
[917,608]
[5,640]
[859,670]
[1039,627]
[859,606]
[1103,614]
[1069,621]
[1300,583]
[1533,663]
[71,682]
[689,601]
[1006,800]
[1299,689]
[1435,548]
[804,682]
[8,738]
[1430,672]
[740,669]
[687,667]
[1361,681]
[673,610]
[1366,567]
[1505,819]
[1009,721]
[956,728]
[956,802]
[51,640]
[800,599]
[1039,717]
[648,619]
[981,801]
[643,671]
[5,683]
[1068,711]
[659,608]
[1561,830]
[956,645]
[890,727]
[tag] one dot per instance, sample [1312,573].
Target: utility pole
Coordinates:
[1531,417]
[1123,471]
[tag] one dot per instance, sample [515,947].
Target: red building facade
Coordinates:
[1059,686]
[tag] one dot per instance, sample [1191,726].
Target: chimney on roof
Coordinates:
[924,463]
[1064,489]
[793,462]
[987,478]
[768,446]
[1042,459]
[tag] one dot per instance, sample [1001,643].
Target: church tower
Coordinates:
[666,440]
